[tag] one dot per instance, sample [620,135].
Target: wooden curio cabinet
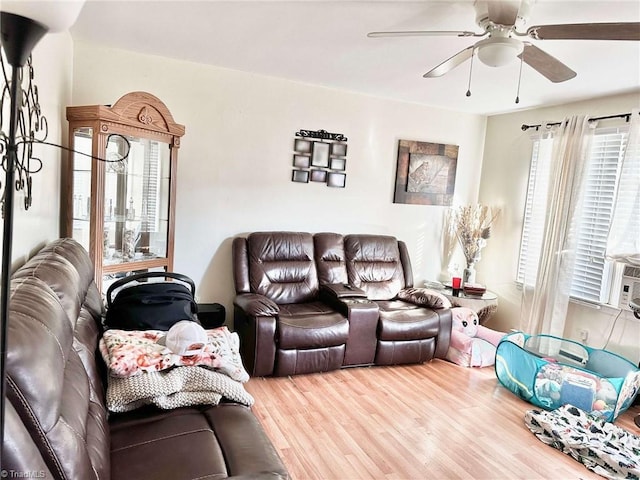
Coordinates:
[122,212]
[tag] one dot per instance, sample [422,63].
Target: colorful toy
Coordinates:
[549,372]
[472,344]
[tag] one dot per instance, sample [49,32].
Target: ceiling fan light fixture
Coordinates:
[498,51]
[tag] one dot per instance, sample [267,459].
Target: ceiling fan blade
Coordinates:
[426,33]
[545,64]
[586,31]
[503,12]
[450,63]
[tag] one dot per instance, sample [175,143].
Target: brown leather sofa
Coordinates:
[56,423]
[318,302]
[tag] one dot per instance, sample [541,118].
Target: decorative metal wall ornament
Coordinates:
[32,129]
[321,161]
[322,134]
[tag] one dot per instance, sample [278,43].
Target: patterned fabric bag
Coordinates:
[602,447]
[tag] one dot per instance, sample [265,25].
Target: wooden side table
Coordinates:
[484,305]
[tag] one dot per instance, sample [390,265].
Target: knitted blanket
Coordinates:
[174,388]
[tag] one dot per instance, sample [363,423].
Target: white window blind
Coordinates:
[590,275]
[535,209]
[602,177]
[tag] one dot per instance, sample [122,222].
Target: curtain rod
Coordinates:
[626,116]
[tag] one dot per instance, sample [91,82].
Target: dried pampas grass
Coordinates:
[471,225]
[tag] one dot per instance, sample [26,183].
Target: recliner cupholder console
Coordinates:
[356,300]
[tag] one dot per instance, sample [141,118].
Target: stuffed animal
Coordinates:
[465,320]
[472,345]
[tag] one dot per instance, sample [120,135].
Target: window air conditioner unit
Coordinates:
[626,285]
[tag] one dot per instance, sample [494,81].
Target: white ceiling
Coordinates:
[325,43]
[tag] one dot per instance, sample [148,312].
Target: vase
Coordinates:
[469,274]
[128,244]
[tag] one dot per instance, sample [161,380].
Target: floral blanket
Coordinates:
[602,447]
[143,372]
[131,352]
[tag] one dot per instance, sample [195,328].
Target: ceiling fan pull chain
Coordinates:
[519,78]
[470,72]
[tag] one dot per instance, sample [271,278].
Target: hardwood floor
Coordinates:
[430,421]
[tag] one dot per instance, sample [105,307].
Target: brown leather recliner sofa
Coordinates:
[318,302]
[56,423]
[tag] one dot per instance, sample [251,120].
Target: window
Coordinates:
[591,270]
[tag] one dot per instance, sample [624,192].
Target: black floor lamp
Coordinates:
[22,25]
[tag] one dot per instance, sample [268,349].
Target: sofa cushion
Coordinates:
[282,266]
[311,325]
[374,265]
[246,447]
[189,443]
[79,298]
[331,260]
[148,445]
[405,321]
[66,268]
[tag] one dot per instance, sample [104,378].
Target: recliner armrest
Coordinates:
[256,305]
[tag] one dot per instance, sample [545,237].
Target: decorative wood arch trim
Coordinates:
[136,109]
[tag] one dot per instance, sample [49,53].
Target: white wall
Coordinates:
[504,182]
[52,62]
[235,160]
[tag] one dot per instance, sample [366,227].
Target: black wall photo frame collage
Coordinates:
[320,156]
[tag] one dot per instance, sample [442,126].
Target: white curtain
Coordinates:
[546,298]
[624,235]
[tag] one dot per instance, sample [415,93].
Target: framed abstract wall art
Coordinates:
[426,173]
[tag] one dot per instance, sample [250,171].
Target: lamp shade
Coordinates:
[499,51]
[55,15]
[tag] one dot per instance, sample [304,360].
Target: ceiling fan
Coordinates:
[500,20]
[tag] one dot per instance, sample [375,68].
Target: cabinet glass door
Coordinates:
[81,201]
[136,201]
